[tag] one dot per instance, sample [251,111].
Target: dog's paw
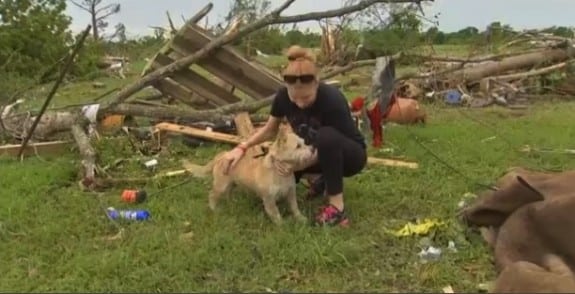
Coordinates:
[301,218]
[277,221]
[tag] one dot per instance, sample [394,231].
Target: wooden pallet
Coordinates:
[224,77]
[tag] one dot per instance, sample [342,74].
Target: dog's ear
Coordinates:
[524,182]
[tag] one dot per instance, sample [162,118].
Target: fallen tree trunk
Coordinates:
[530,73]
[518,62]
[49,125]
[221,115]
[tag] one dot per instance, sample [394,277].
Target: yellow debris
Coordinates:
[420,228]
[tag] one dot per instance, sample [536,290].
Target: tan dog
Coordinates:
[257,173]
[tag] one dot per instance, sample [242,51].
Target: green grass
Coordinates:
[54,237]
[52,234]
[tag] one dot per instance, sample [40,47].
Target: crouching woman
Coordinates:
[320,114]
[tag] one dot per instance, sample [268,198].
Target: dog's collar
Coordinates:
[266,155]
[264,152]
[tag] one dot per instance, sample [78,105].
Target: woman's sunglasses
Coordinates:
[304,79]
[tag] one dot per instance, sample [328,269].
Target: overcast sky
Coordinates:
[137,15]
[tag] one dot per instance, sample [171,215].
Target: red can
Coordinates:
[134,196]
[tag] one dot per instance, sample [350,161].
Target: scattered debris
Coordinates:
[119,235]
[447,289]
[466,197]
[189,234]
[136,215]
[134,196]
[430,254]
[485,287]
[508,79]
[451,246]
[151,164]
[421,227]
[529,149]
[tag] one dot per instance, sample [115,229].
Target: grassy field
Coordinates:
[56,238]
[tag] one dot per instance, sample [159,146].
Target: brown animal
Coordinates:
[258,174]
[529,223]
[527,277]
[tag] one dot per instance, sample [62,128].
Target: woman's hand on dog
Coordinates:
[232,157]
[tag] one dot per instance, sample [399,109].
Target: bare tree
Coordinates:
[119,33]
[98,13]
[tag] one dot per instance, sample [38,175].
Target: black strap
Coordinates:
[263,153]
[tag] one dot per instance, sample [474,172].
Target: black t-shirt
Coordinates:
[329,109]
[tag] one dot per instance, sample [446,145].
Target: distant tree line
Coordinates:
[35,35]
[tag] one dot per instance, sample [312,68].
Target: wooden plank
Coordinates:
[221,70]
[198,133]
[177,54]
[169,87]
[173,89]
[232,139]
[199,84]
[244,125]
[244,128]
[392,162]
[228,64]
[40,148]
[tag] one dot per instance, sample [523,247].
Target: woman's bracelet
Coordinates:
[242,146]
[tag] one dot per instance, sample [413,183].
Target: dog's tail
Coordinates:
[196,170]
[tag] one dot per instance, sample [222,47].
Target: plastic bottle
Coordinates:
[137,215]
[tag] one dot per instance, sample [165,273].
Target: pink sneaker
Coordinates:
[331,216]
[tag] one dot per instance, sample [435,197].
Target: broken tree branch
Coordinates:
[348,67]
[88,155]
[530,73]
[69,62]
[202,13]
[272,18]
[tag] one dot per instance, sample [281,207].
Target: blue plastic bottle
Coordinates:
[137,215]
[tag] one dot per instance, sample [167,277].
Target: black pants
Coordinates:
[338,157]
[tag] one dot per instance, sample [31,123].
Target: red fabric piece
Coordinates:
[375,118]
[357,103]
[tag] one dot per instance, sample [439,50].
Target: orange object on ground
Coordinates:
[134,196]
[405,111]
[111,122]
[399,110]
